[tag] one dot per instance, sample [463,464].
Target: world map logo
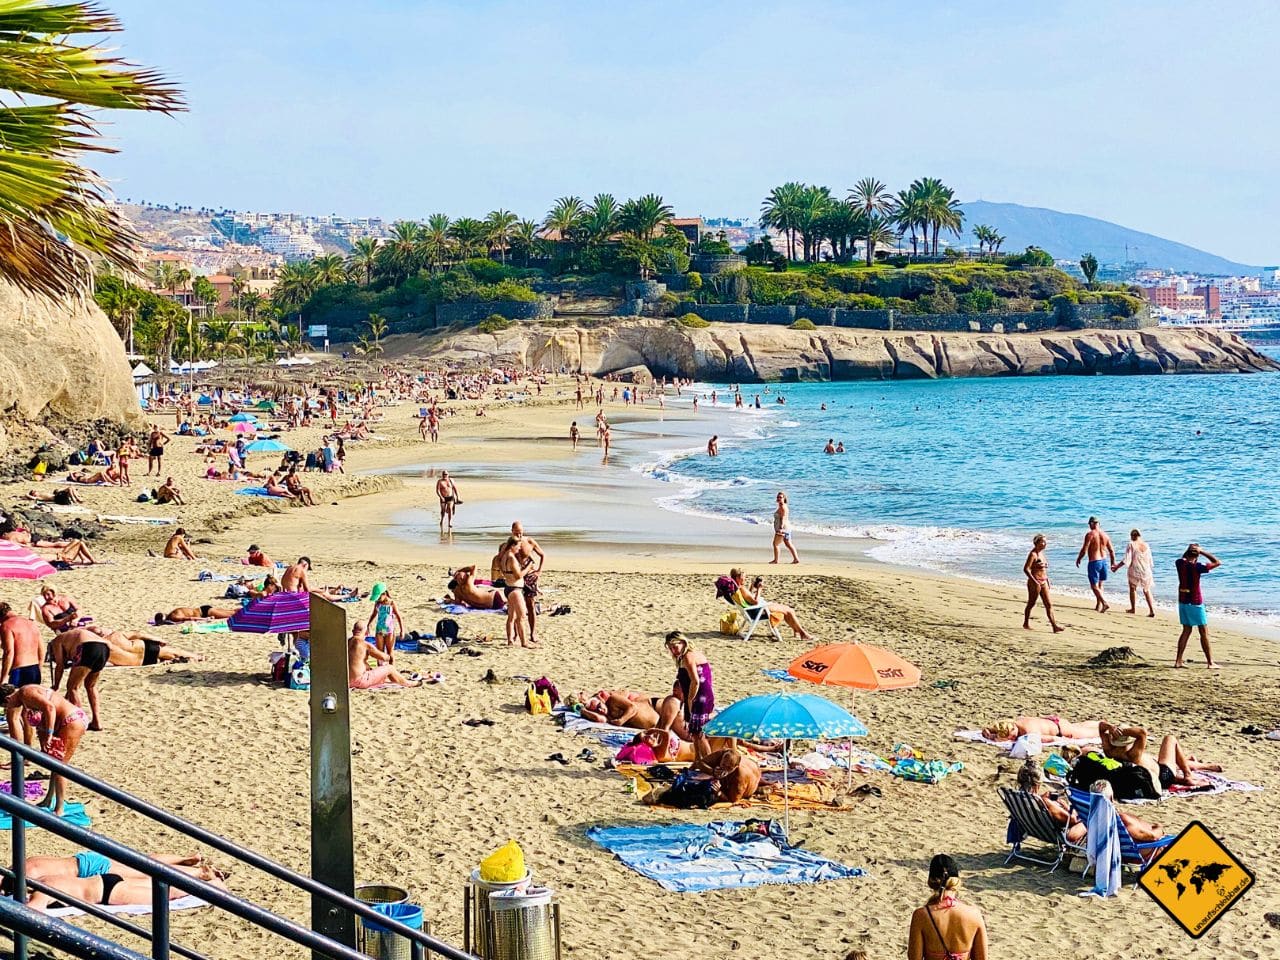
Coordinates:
[1195,879]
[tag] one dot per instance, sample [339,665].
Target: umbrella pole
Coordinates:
[848,780]
[786,793]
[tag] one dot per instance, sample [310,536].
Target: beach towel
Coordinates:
[1103,848]
[975,736]
[778,673]
[863,760]
[122,518]
[189,902]
[609,735]
[1216,784]
[74,812]
[35,789]
[804,790]
[258,492]
[460,608]
[691,858]
[925,771]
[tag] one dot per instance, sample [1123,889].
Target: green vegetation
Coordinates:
[692,320]
[494,323]
[803,324]
[1089,267]
[52,85]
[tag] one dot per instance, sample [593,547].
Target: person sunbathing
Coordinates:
[1031,780]
[360,676]
[177,547]
[1140,830]
[274,488]
[667,747]
[463,589]
[62,496]
[1171,765]
[134,648]
[112,889]
[1045,727]
[623,708]
[206,611]
[68,551]
[754,595]
[93,477]
[57,610]
[169,492]
[293,484]
[51,870]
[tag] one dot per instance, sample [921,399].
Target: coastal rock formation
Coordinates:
[61,364]
[751,352]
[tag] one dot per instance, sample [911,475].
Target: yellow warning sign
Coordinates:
[1196,879]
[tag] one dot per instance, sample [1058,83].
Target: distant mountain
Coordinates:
[1069,236]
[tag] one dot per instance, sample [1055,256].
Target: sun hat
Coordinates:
[378,590]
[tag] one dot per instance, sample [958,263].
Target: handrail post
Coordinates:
[18,783]
[159,919]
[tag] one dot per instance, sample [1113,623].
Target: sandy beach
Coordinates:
[213,742]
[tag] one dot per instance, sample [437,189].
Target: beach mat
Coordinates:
[692,858]
[975,736]
[458,609]
[610,736]
[72,813]
[258,492]
[1217,784]
[779,673]
[189,902]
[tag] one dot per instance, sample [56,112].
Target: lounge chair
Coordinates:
[1132,853]
[1030,818]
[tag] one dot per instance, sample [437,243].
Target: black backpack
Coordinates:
[447,630]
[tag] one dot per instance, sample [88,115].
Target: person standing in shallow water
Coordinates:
[1036,568]
[782,529]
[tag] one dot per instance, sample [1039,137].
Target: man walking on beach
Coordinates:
[1191,612]
[447,492]
[23,649]
[1102,556]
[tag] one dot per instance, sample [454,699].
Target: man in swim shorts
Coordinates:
[360,676]
[23,648]
[1102,557]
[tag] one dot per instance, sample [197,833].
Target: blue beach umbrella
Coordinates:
[266,446]
[244,418]
[786,716]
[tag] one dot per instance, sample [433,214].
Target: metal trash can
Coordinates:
[384,944]
[475,911]
[524,925]
[377,895]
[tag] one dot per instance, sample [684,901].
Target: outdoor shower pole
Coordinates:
[332,836]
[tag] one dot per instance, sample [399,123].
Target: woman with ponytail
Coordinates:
[944,928]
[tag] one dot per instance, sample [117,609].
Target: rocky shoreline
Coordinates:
[751,352]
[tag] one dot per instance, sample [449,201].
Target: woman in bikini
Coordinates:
[114,888]
[512,571]
[1036,569]
[782,529]
[57,721]
[1044,727]
[944,928]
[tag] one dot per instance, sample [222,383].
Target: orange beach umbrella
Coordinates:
[858,665]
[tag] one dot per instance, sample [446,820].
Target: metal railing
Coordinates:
[34,925]
[164,876]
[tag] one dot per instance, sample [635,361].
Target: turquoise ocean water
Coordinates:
[957,475]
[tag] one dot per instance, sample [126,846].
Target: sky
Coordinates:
[1154,114]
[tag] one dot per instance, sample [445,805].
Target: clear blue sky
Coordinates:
[1155,115]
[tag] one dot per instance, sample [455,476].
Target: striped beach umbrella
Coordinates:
[19,563]
[278,613]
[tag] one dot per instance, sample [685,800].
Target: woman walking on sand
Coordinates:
[1036,568]
[782,529]
[1137,557]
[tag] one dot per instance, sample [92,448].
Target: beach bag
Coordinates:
[504,865]
[731,623]
[725,588]
[279,667]
[1026,747]
[300,676]
[537,702]
[543,685]
[447,630]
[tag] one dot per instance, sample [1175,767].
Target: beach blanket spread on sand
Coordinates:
[691,857]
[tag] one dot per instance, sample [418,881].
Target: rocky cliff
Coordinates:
[61,365]
[748,352]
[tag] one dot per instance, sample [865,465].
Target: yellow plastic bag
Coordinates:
[537,702]
[504,865]
[731,623]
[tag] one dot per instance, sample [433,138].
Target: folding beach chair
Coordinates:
[1132,853]
[755,614]
[1029,818]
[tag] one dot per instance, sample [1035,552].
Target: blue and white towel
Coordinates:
[691,857]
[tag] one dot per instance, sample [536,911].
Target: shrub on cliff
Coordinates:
[693,321]
[494,323]
[803,324]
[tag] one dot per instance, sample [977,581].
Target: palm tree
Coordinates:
[294,286]
[329,270]
[840,225]
[939,208]
[643,216]
[877,230]
[46,196]
[469,234]
[436,245]
[815,203]
[871,196]
[377,327]
[498,226]
[910,213]
[1089,267]
[400,257]
[601,220]
[207,294]
[995,242]
[163,274]
[364,254]
[780,211]
[565,219]
[251,303]
[524,237]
